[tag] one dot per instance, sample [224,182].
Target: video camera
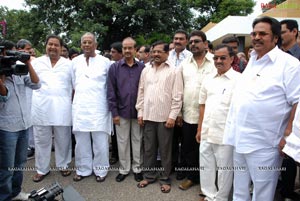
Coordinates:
[8,65]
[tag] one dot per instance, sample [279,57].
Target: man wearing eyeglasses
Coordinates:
[289,33]
[214,99]
[158,104]
[194,69]
[261,113]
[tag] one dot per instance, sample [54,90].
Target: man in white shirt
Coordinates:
[51,109]
[214,99]
[261,113]
[194,69]
[92,122]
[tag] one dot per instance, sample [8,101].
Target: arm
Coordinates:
[288,129]
[33,76]
[112,94]
[3,89]
[140,99]
[201,116]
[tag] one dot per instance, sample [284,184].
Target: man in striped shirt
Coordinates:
[158,104]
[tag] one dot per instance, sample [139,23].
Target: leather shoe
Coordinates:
[186,184]
[138,177]
[113,160]
[121,177]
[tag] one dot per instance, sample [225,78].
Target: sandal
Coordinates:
[78,177]
[65,173]
[165,188]
[39,177]
[100,179]
[144,183]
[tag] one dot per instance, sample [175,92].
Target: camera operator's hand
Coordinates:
[3,90]
[33,76]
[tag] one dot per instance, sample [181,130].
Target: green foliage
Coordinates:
[111,21]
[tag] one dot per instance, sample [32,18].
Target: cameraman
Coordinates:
[14,124]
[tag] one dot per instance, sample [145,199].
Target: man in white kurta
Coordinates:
[261,113]
[214,99]
[91,117]
[51,109]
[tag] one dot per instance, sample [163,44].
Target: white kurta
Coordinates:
[51,104]
[90,106]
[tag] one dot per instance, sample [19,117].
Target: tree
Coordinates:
[217,10]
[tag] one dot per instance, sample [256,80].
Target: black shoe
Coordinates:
[30,152]
[121,177]
[113,160]
[291,196]
[138,177]
[180,175]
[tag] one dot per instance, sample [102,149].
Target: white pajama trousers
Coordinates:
[213,158]
[43,145]
[263,168]
[129,131]
[91,153]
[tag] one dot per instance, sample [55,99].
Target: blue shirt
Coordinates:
[15,114]
[295,51]
[122,89]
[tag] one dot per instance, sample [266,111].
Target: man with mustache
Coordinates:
[176,56]
[215,98]
[194,70]
[261,113]
[158,104]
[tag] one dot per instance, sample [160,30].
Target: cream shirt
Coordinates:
[262,102]
[216,93]
[51,104]
[192,80]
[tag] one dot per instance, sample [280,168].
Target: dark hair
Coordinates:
[22,43]
[290,25]
[210,45]
[73,51]
[231,39]
[54,36]
[198,33]
[160,42]
[182,32]
[223,45]
[275,26]
[8,45]
[147,48]
[117,46]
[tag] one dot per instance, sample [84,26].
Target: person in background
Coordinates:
[92,121]
[289,34]
[116,55]
[65,51]
[24,45]
[270,81]
[123,81]
[73,53]
[14,123]
[144,53]
[237,65]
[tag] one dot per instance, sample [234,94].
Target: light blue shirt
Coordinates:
[15,114]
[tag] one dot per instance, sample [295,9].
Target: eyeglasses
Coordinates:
[216,58]
[260,33]
[195,41]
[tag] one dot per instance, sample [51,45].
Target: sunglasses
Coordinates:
[195,41]
[216,58]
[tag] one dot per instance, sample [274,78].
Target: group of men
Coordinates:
[231,119]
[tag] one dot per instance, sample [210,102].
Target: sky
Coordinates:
[18,4]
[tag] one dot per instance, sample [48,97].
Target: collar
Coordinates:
[230,74]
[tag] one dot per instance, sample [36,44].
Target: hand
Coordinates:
[116,120]
[198,136]
[281,146]
[170,123]
[179,121]
[141,121]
